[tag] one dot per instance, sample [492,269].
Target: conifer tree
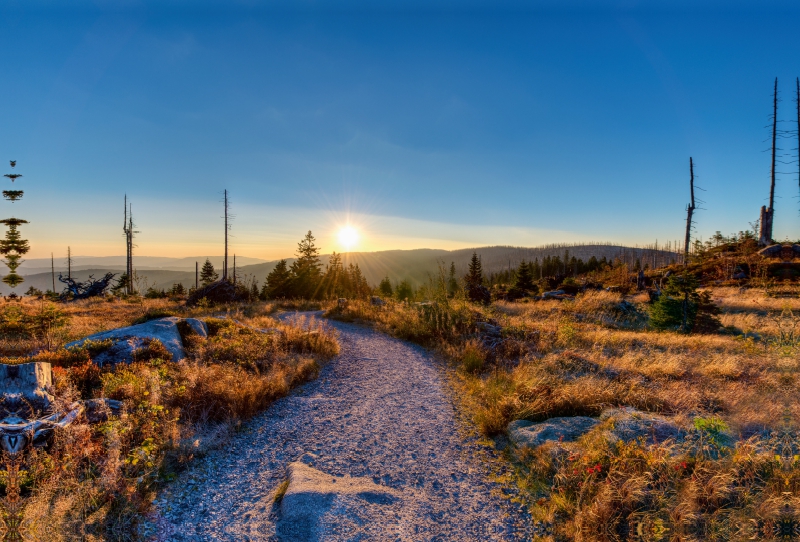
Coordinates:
[334,279]
[475,289]
[385,287]
[404,291]
[452,282]
[306,269]
[524,282]
[475,275]
[13,246]
[279,282]
[359,286]
[207,273]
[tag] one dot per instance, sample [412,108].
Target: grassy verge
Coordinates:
[567,358]
[97,480]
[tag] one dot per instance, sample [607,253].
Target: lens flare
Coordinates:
[348,237]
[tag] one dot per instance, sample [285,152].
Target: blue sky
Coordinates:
[440,125]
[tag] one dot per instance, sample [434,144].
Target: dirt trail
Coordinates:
[374,450]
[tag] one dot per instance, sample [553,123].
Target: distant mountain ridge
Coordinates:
[414,265]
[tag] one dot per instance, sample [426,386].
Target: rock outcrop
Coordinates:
[568,429]
[628,424]
[625,424]
[221,291]
[127,340]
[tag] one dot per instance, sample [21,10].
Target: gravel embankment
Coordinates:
[379,420]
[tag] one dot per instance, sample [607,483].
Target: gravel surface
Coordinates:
[380,421]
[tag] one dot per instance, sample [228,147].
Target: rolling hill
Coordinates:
[412,265]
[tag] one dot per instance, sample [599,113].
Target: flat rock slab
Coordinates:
[128,339]
[315,499]
[629,424]
[390,460]
[568,429]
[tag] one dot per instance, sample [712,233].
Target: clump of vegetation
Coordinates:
[680,307]
[101,478]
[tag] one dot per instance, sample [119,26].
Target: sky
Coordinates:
[419,124]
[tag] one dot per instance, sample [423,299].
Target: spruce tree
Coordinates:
[475,289]
[306,269]
[404,291]
[359,287]
[13,246]
[207,273]
[475,275]
[333,280]
[385,287]
[452,282]
[279,282]
[524,282]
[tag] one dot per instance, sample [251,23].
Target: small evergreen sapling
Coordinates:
[207,273]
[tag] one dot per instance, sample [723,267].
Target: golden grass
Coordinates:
[580,357]
[96,481]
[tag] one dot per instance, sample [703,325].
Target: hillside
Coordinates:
[412,265]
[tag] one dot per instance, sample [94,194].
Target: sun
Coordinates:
[348,237]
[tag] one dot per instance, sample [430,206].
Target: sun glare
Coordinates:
[348,237]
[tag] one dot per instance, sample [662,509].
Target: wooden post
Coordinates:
[196,276]
[234,269]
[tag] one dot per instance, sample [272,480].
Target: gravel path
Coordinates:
[375,449]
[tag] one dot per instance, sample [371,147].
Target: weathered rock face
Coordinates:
[198,327]
[568,429]
[129,339]
[631,424]
[221,291]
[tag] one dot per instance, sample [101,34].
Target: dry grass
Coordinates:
[579,357]
[96,481]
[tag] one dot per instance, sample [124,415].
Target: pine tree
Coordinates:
[404,291]
[207,273]
[359,287]
[307,276]
[475,275]
[334,281]
[254,290]
[279,282]
[13,246]
[474,287]
[385,287]
[524,281]
[452,282]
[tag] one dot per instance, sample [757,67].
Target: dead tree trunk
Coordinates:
[225,261]
[767,214]
[689,213]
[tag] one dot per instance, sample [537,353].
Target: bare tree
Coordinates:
[767,214]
